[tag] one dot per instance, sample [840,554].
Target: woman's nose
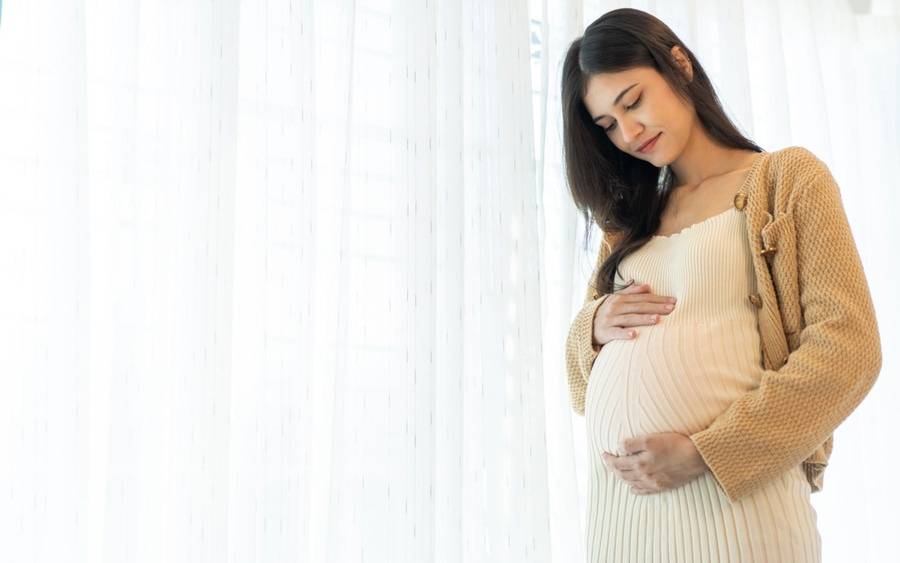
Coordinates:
[630,133]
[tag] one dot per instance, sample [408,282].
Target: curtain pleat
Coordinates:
[289,280]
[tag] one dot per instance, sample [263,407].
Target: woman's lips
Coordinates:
[649,146]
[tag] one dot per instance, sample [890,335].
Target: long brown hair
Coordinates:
[611,188]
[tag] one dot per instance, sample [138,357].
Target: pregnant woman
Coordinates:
[727,328]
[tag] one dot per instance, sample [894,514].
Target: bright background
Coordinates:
[291,280]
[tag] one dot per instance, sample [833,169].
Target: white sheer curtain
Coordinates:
[290,280]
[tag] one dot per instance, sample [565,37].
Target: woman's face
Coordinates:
[648,108]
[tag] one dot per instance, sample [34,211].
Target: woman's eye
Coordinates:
[636,103]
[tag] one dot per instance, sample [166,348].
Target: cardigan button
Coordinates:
[767,250]
[755,299]
[740,200]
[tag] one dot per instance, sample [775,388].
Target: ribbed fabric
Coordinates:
[678,376]
[821,346]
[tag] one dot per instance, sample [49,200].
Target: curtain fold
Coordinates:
[289,280]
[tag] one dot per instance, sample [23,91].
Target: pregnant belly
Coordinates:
[672,377]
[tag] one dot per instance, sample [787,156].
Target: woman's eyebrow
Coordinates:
[616,101]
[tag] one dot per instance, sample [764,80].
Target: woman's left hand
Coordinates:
[657,462]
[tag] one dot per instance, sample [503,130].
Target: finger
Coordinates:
[619,468]
[620,333]
[645,294]
[610,460]
[642,292]
[633,445]
[634,319]
[623,469]
[617,464]
[635,288]
[638,304]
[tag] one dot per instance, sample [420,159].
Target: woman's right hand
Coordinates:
[632,306]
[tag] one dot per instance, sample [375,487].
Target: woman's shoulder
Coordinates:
[797,161]
[795,170]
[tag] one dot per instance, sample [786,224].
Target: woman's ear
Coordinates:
[683,61]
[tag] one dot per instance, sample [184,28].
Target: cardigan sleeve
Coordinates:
[580,350]
[795,408]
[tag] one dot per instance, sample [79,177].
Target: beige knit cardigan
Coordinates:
[820,343]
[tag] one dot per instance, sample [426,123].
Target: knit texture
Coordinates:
[679,375]
[821,347]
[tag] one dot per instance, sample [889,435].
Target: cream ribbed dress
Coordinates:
[678,376]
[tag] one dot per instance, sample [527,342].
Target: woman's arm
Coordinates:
[794,409]
[580,348]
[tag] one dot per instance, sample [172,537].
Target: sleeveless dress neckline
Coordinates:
[697,224]
[678,376]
